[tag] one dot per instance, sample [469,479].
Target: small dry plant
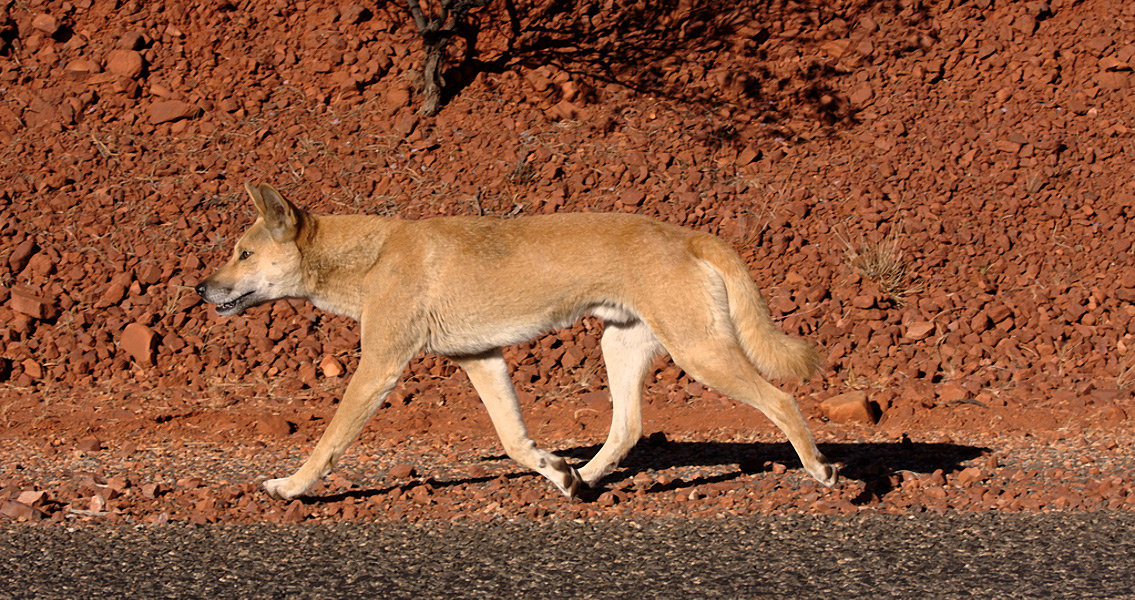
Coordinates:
[883,262]
[1126,378]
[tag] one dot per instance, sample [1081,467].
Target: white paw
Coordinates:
[827,474]
[282,489]
[572,484]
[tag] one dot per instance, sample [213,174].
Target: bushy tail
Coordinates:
[775,354]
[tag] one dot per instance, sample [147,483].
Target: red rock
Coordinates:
[397,97]
[295,512]
[32,369]
[951,392]
[1114,414]
[33,498]
[852,407]
[781,304]
[169,111]
[190,483]
[401,471]
[405,124]
[307,373]
[149,274]
[89,444]
[632,197]
[18,511]
[139,341]
[81,67]
[42,265]
[331,367]
[980,322]
[563,111]
[1111,63]
[919,330]
[125,63]
[274,426]
[28,303]
[1113,80]
[21,254]
[228,105]
[864,300]
[132,40]
[611,498]
[748,155]
[937,478]
[970,476]
[861,95]
[153,490]
[353,14]
[115,291]
[46,23]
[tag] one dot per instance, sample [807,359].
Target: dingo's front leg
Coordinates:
[363,396]
[489,374]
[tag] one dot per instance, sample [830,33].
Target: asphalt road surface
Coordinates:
[976,555]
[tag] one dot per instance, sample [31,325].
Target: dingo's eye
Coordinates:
[245,254]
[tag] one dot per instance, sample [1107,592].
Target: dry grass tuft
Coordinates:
[884,263]
[1126,378]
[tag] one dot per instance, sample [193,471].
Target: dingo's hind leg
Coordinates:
[628,349]
[489,374]
[722,364]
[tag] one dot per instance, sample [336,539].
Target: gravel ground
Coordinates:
[468,480]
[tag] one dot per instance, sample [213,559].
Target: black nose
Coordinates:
[200,289]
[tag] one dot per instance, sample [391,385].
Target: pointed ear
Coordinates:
[281,216]
[257,199]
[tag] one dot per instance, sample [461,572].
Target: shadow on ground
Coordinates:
[871,463]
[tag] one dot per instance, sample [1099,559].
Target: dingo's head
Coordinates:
[265,264]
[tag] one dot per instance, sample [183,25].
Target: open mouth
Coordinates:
[233,306]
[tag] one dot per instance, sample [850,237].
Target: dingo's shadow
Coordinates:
[871,463]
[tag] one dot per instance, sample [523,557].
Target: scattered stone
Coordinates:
[331,367]
[33,498]
[611,498]
[852,407]
[18,511]
[402,471]
[153,490]
[563,111]
[125,63]
[861,95]
[970,475]
[405,124]
[132,40]
[168,111]
[45,23]
[140,342]
[952,392]
[295,512]
[353,14]
[276,426]
[919,330]
[90,444]
[81,67]
[632,197]
[21,254]
[1114,414]
[28,303]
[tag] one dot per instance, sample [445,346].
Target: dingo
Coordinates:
[463,287]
